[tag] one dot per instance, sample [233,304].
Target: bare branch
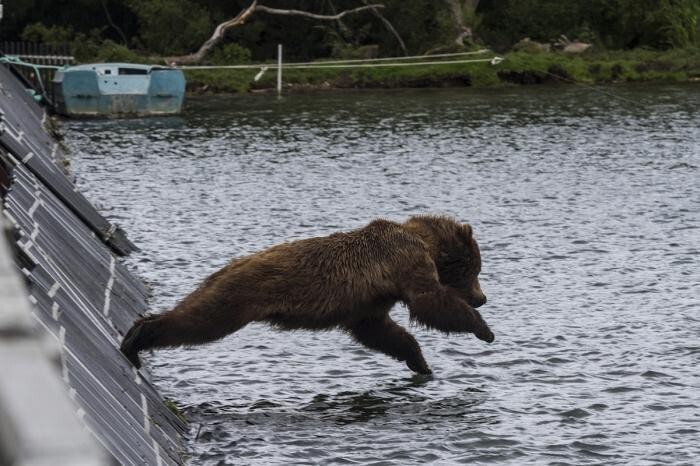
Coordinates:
[111,23]
[343,30]
[277,11]
[241,18]
[390,27]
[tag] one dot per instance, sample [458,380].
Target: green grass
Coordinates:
[170,404]
[219,81]
[680,65]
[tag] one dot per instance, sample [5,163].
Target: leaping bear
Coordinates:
[346,280]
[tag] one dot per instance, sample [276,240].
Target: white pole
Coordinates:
[279,69]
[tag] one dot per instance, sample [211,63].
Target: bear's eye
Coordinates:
[449,260]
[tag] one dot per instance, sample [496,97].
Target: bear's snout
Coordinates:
[478,301]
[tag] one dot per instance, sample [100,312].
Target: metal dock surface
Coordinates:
[82,295]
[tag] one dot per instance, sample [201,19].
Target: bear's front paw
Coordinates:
[420,367]
[485,334]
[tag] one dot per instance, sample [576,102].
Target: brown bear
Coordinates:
[345,280]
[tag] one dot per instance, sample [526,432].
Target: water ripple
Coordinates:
[587,211]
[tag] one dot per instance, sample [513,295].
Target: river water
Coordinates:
[586,205]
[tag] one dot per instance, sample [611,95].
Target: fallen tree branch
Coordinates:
[343,30]
[214,39]
[277,11]
[241,18]
[390,27]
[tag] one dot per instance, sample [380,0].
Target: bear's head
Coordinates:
[455,252]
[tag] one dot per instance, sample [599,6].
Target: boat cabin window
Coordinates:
[133,71]
[108,71]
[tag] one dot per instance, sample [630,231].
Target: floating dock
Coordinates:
[82,298]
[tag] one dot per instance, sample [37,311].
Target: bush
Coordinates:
[110,51]
[229,54]
[84,47]
[54,35]
[616,24]
[171,27]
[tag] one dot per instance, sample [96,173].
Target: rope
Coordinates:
[16,61]
[370,65]
[349,63]
[418,57]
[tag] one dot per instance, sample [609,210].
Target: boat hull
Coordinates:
[113,90]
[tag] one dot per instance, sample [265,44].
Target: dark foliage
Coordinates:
[171,27]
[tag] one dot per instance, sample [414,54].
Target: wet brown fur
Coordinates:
[346,280]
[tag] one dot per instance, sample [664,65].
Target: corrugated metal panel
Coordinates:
[87,299]
[39,423]
[23,134]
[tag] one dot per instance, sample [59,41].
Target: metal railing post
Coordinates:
[279,69]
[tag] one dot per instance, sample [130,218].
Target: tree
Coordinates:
[459,9]
[164,28]
[651,23]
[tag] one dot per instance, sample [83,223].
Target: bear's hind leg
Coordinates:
[390,338]
[137,338]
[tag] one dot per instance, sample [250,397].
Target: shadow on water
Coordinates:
[392,424]
[395,403]
[370,427]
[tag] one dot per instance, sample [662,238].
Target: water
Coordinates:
[587,210]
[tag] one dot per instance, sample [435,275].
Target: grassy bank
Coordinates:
[680,65]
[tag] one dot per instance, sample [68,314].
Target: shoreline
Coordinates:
[517,69]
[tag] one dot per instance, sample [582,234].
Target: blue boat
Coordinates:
[118,89]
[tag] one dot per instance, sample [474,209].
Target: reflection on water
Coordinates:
[587,212]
